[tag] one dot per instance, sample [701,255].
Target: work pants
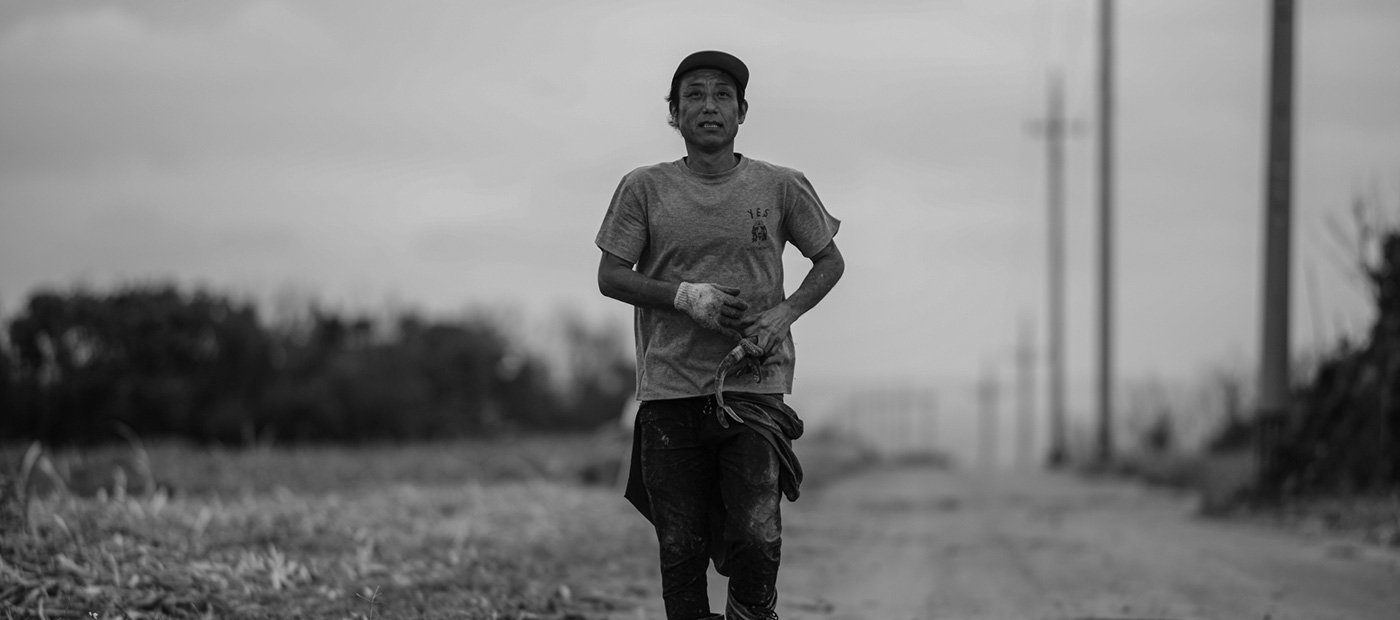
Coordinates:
[714,493]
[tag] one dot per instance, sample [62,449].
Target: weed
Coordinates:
[372,600]
[142,459]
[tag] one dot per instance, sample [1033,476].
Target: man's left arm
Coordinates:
[768,328]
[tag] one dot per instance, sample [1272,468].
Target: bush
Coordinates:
[149,355]
[204,367]
[1344,434]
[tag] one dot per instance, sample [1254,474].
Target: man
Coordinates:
[706,235]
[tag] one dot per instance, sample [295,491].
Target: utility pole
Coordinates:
[1055,128]
[1025,396]
[1273,361]
[1105,443]
[988,395]
[930,404]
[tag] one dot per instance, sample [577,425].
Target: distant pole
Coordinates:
[1105,443]
[988,393]
[916,420]
[1054,128]
[930,400]
[1273,361]
[1025,396]
[911,417]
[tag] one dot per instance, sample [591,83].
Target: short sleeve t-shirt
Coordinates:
[730,228]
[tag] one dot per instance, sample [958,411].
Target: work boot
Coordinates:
[744,612]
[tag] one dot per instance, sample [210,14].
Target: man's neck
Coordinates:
[710,163]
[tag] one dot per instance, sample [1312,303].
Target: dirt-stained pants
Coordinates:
[714,492]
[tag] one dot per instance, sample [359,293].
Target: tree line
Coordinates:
[80,366]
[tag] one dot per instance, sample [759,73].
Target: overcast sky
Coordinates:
[449,155]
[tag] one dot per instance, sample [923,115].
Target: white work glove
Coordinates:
[709,304]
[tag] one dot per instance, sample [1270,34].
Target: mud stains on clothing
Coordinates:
[714,493]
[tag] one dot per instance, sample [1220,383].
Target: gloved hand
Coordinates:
[713,306]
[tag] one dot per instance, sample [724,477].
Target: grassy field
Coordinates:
[515,528]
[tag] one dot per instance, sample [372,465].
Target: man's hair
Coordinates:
[673,99]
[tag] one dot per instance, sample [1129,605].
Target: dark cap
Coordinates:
[713,60]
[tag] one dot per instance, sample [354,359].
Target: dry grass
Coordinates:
[470,551]
[187,470]
[508,529]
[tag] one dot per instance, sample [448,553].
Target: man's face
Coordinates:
[708,113]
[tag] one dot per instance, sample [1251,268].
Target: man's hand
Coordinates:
[713,306]
[769,328]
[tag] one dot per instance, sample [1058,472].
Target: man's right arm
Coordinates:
[617,279]
[705,302]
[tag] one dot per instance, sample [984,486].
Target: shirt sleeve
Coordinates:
[808,225]
[624,229]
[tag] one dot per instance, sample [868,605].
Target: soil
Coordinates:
[924,543]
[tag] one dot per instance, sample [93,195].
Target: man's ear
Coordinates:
[743,111]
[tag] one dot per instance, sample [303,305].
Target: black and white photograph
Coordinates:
[493,310]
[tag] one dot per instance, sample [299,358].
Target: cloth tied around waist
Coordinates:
[765,414]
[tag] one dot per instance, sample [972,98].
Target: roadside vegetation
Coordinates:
[84,366]
[1344,431]
[470,529]
[1335,464]
[513,527]
[1332,464]
[172,453]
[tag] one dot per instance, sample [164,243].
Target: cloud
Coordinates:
[90,87]
[109,41]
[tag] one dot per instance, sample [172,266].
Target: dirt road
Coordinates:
[920,543]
